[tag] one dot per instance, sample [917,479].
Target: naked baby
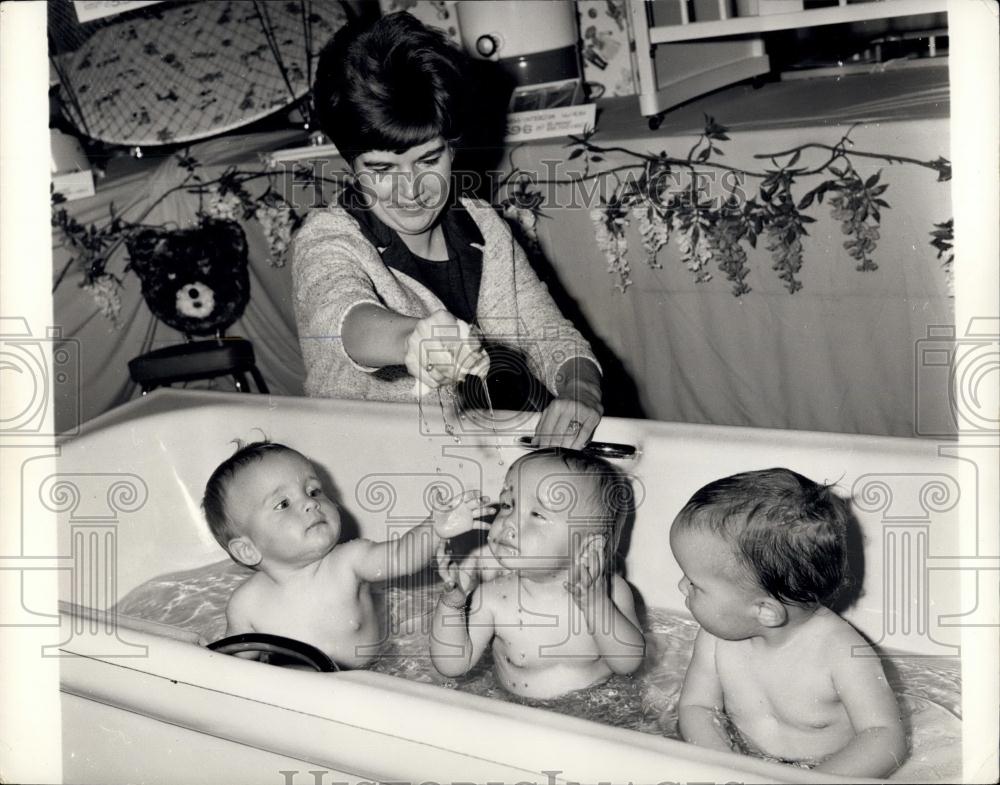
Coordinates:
[267,508]
[557,620]
[775,673]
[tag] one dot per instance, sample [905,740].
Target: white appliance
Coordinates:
[536,43]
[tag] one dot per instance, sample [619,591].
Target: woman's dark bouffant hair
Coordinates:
[788,531]
[390,85]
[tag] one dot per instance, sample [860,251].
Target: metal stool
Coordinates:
[186,362]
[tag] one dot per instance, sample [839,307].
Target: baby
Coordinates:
[266,507]
[774,672]
[557,621]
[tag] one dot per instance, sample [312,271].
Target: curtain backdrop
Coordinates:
[842,354]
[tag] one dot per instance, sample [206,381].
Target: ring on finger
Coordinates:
[574,426]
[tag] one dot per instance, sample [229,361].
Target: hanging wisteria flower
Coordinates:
[522,206]
[105,290]
[610,223]
[526,219]
[654,230]
[277,222]
[195,300]
[226,206]
[696,252]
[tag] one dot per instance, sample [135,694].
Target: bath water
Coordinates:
[928,689]
[496,436]
[450,429]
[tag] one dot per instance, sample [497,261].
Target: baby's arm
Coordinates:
[480,565]
[879,744]
[615,626]
[701,697]
[611,619]
[238,618]
[460,634]
[374,561]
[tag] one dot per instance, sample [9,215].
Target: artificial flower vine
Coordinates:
[225,197]
[668,197]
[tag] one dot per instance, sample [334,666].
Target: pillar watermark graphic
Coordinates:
[929,519]
[908,505]
[88,507]
[37,369]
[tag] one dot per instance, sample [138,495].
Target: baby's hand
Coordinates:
[459,582]
[586,576]
[461,514]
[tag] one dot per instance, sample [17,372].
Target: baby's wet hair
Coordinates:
[611,499]
[213,503]
[789,532]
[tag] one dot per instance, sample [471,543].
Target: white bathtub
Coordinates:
[138,706]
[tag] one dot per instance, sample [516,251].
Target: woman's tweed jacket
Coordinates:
[335,268]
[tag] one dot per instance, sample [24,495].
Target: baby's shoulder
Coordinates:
[248,591]
[245,603]
[834,636]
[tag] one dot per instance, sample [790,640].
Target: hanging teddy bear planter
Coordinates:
[195,280]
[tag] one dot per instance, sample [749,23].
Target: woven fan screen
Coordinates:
[177,72]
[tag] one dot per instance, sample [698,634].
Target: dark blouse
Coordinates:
[454,281]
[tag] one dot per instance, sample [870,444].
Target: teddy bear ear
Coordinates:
[234,237]
[144,247]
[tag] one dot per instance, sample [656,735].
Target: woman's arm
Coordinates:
[375,336]
[436,349]
[567,363]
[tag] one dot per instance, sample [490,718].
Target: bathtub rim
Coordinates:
[180,663]
[165,400]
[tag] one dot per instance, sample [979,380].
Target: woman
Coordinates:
[403,280]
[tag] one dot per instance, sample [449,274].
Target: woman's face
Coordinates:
[407,190]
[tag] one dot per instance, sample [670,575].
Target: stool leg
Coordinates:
[241,382]
[258,380]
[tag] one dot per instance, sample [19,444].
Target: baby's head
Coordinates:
[265,504]
[755,545]
[556,502]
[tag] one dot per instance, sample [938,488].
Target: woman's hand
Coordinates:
[573,416]
[444,350]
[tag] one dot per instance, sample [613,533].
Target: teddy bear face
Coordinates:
[194,280]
